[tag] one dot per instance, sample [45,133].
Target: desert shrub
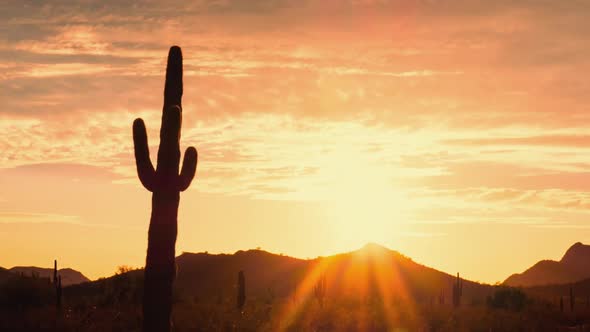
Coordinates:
[508,298]
[22,292]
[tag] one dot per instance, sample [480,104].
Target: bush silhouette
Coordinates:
[23,292]
[507,298]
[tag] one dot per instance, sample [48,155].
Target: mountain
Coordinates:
[68,276]
[370,269]
[368,272]
[573,266]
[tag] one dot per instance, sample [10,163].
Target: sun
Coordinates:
[364,210]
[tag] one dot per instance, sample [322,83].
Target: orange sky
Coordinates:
[456,132]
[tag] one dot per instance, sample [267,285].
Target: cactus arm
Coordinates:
[189,167]
[145,169]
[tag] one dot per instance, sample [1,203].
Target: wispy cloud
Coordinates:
[26,217]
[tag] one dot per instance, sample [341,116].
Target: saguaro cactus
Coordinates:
[241,298]
[572,299]
[55,271]
[457,291]
[561,303]
[165,183]
[319,290]
[57,285]
[58,293]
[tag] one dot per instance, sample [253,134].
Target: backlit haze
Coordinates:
[456,132]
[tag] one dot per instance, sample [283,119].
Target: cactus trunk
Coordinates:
[159,269]
[166,184]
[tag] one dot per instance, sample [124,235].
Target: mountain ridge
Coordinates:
[572,267]
[69,276]
[370,270]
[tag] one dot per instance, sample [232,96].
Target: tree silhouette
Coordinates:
[165,183]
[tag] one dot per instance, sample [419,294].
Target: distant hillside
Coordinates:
[573,267]
[68,276]
[372,269]
[580,289]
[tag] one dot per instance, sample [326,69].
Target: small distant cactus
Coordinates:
[165,183]
[271,295]
[457,291]
[319,290]
[572,299]
[57,285]
[58,293]
[241,298]
[561,303]
[55,271]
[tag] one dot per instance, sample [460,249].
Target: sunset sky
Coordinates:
[456,132]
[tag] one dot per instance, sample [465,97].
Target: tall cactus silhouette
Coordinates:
[165,183]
